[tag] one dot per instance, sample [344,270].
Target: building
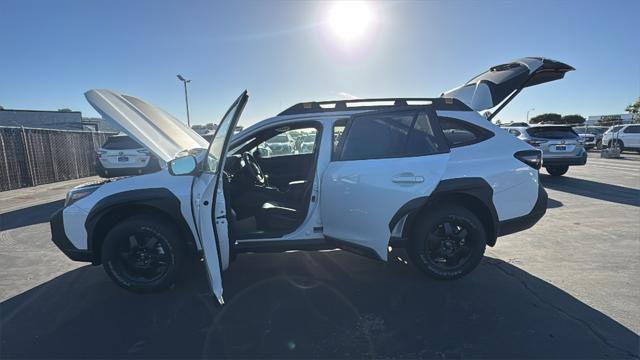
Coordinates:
[99,124]
[56,120]
[59,120]
[608,120]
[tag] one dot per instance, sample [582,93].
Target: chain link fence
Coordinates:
[30,157]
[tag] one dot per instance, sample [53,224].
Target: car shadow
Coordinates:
[31,215]
[301,305]
[552,204]
[594,189]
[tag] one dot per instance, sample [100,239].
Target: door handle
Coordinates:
[408,178]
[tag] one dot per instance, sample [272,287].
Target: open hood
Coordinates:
[501,83]
[158,131]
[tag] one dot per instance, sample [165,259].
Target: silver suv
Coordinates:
[560,145]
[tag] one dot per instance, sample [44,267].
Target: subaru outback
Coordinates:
[430,175]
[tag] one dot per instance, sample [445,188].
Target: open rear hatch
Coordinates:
[501,83]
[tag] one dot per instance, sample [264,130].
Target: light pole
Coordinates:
[186,97]
[532,109]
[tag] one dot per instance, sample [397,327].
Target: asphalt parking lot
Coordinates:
[567,288]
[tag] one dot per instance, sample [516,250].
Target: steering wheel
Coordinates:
[252,168]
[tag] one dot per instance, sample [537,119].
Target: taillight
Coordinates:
[100,152]
[532,158]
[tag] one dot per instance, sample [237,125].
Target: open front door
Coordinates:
[208,199]
[387,163]
[501,83]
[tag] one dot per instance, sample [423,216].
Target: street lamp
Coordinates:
[186,97]
[532,109]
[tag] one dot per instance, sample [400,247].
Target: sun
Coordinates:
[350,20]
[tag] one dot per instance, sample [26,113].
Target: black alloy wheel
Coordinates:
[143,254]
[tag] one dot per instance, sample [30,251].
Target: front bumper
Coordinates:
[565,161]
[59,237]
[521,223]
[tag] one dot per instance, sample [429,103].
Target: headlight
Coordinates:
[79,193]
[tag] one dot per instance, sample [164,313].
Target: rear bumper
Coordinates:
[151,166]
[521,223]
[565,161]
[59,237]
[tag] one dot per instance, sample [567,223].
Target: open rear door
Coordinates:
[208,199]
[501,83]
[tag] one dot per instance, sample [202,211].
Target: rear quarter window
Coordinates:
[461,133]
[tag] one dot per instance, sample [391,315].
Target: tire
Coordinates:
[599,144]
[149,262]
[428,248]
[557,170]
[617,143]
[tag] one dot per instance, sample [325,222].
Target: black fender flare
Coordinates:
[159,199]
[475,187]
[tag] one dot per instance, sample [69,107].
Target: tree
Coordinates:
[549,118]
[65,110]
[634,109]
[573,119]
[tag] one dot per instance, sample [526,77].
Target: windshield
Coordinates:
[552,132]
[120,143]
[590,130]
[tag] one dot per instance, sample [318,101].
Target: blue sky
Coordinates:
[285,52]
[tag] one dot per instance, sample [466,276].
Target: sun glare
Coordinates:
[350,20]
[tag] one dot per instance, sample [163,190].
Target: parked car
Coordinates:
[281,144]
[430,175]
[307,141]
[120,155]
[561,147]
[591,136]
[625,137]
[515,124]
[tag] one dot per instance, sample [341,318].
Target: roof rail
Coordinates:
[372,104]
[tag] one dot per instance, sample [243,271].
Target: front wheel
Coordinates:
[448,243]
[142,254]
[557,170]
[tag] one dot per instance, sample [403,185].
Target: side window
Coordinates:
[291,142]
[461,133]
[632,129]
[391,135]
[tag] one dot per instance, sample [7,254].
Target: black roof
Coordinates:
[373,104]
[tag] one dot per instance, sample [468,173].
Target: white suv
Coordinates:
[120,155]
[431,175]
[626,137]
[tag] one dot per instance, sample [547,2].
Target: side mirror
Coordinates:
[185,165]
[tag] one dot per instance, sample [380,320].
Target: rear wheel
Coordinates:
[448,243]
[617,143]
[557,170]
[143,254]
